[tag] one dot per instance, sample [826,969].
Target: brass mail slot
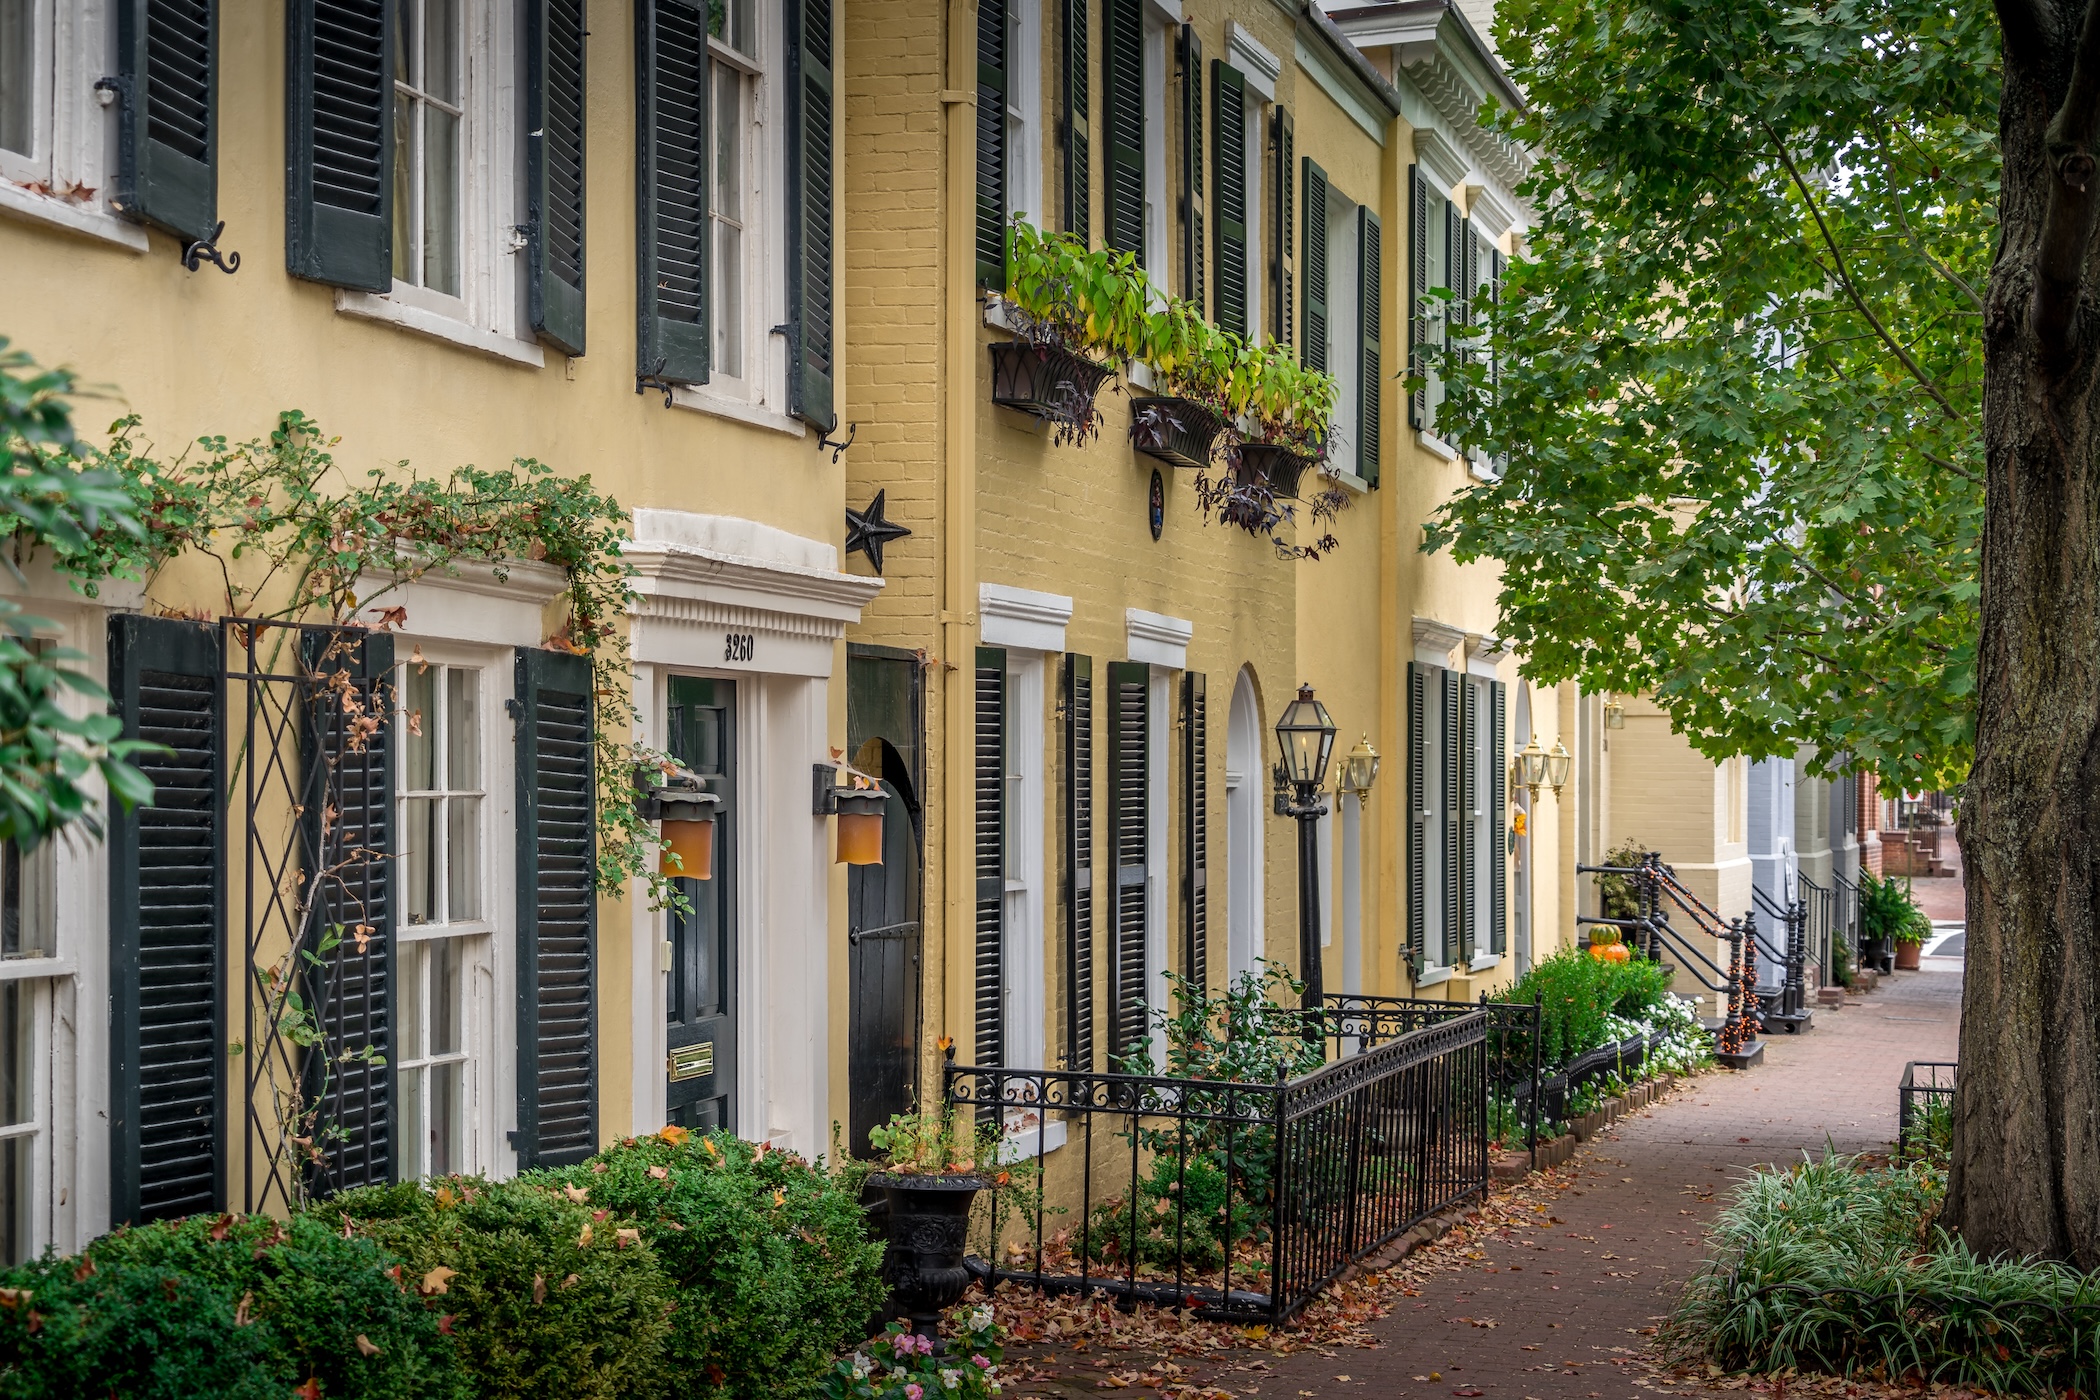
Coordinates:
[692,1061]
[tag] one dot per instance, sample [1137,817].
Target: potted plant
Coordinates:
[929,1177]
[1196,369]
[1289,410]
[1066,304]
[1892,921]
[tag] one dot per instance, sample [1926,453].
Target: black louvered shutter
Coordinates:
[1470,798]
[1079,862]
[1453,818]
[167,114]
[166,909]
[1123,126]
[1077,125]
[1128,753]
[1418,235]
[1495,269]
[990,954]
[671,153]
[1195,830]
[1370,405]
[339,194]
[1467,273]
[1194,248]
[351,986]
[557,911]
[1228,135]
[554,140]
[1418,814]
[991,144]
[1283,236]
[810,132]
[1312,267]
[1498,820]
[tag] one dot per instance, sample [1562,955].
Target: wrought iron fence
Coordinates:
[1351,1023]
[1925,1084]
[1786,953]
[1820,904]
[1239,1200]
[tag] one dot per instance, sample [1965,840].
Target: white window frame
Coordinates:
[1257,149]
[1024,997]
[66,180]
[1344,329]
[1024,111]
[1246,794]
[1435,833]
[1159,209]
[485,316]
[488,1018]
[759,397]
[48,1013]
[1479,898]
[1159,730]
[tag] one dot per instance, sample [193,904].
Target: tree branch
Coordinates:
[2067,224]
[1910,235]
[1844,274]
[2028,26]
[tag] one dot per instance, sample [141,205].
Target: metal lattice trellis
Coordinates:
[309,795]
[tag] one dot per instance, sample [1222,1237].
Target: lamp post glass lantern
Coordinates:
[1305,737]
[1557,765]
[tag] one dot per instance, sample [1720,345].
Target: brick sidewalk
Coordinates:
[1559,1313]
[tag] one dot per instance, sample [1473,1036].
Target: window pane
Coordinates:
[441,50]
[404,170]
[728,207]
[17,76]
[409,1038]
[406,41]
[17,1101]
[447,987]
[17,1191]
[415,1137]
[462,858]
[730,21]
[446,1154]
[419,704]
[25,902]
[462,730]
[418,865]
[440,201]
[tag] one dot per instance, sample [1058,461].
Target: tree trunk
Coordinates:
[2026,1168]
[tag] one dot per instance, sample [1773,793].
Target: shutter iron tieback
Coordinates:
[206,250]
[653,379]
[837,448]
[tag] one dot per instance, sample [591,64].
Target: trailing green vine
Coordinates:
[292,537]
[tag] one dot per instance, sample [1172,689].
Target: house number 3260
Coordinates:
[739,646]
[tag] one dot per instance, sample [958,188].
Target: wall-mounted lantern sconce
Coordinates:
[1359,769]
[677,799]
[859,809]
[1557,765]
[1614,712]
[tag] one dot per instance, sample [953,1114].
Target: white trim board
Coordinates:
[1022,617]
[1158,640]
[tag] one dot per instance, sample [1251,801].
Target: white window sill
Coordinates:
[22,969]
[1484,962]
[1350,481]
[1433,977]
[703,400]
[1025,1139]
[1432,443]
[999,315]
[74,216]
[1140,375]
[1482,470]
[419,321]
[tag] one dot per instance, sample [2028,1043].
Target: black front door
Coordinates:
[882,934]
[700,987]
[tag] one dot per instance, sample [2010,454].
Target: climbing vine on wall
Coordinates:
[291,535]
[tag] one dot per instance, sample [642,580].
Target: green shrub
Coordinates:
[546,1296]
[769,1256]
[145,1332]
[1887,912]
[1180,1215]
[1836,1267]
[337,1310]
[1576,993]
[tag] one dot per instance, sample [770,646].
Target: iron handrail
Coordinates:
[1656,888]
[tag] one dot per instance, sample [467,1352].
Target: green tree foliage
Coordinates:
[1738,370]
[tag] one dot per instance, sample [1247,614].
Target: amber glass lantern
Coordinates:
[687,833]
[860,826]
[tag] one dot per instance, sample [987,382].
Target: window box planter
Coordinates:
[1177,431]
[1046,381]
[1276,466]
[922,1260]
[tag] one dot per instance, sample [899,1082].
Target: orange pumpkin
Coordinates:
[1616,952]
[1602,951]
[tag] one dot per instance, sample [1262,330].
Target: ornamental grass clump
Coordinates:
[768,1256]
[545,1293]
[1836,1267]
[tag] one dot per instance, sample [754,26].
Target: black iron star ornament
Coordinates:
[868,532]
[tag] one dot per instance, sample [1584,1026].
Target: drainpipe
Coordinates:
[958,534]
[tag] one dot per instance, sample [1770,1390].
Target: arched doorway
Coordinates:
[1244,789]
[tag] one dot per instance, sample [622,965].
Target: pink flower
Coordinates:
[980,1363]
[915,1392]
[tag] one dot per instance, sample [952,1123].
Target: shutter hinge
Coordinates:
[514,707]
[951,97]
[108,90]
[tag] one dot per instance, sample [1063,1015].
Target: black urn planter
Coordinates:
[1277,466]
[1181,432]
[1046,381]
[929,1221]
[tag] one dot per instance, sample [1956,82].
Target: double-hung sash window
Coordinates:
[732,84]
[1457,797]
[27,930]
[428,127]
[25,75]
[446,932]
